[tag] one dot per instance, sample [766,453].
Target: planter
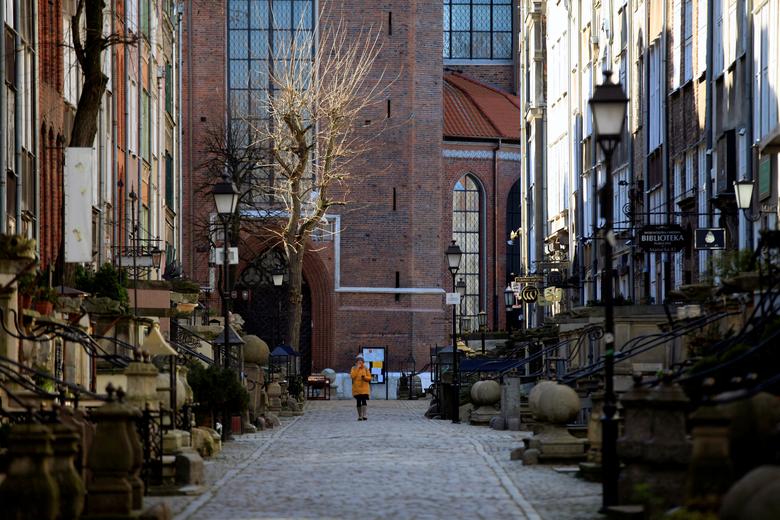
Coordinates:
[25,301]
[741,283]
[44,308]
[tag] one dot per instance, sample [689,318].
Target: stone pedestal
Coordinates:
[654,447]
[142,385]
[511,397]
[710,472]
[110,493]
[71,487]
[274,397]
[29,492]
[484,396]
[553,407]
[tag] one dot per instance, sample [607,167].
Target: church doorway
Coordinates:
[266,307]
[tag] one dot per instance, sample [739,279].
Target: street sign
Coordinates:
[453,298]
[555,278]
[710,238]
[534,278]
[547,264]
[529,294]
[664,238]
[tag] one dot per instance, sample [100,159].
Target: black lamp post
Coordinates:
[460,288]
[454,255]
[482,320]
[226,199]
[608,106]
[277,275]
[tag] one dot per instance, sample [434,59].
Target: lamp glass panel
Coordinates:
[744,193]
[608,117]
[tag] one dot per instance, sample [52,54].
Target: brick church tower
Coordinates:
[380,279]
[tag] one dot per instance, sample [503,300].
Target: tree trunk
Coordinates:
[295,261]
[89,52]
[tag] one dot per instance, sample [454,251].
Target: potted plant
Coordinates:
[26,287]
[45,298]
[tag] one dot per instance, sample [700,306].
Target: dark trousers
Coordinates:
[362,400]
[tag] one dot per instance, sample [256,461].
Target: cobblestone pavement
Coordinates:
[395,465]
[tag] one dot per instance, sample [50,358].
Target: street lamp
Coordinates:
[743,190]
[608,106]
[509,301]
[482,320]
[454,254]
[226,199]
[277,275]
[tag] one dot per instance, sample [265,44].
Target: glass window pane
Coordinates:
[446,22]
[239,103]
[460,45]
[480,45]
[480,18]
[461,18]
[239,74]
[502,17]
[446,45]
[238,44]
[259,45]
[239,17]
[281,14]
[502,45]
[302,16]
[258,74]
[258,15]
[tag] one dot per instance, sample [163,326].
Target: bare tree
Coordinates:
[312,135]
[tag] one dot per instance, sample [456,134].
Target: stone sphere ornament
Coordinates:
[256,350]
[485,393]
[330,375]
[555,403]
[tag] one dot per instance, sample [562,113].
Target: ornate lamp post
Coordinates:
[608,106]
[482,320]
[454,255]
[509,301]
[226,199]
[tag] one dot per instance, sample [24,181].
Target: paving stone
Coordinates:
[397,464]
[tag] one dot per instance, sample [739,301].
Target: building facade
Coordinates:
[702,114]
[377,277]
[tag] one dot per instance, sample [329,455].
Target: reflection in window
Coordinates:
[466,227]
[478,29]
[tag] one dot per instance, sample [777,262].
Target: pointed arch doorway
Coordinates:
[266,308]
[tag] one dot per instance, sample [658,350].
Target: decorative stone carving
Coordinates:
[255,350]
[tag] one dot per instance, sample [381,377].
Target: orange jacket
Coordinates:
[360,379]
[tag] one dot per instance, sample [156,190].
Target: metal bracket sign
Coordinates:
[453,298]
[534,278]
[665,238]
[529,294]
[710,238]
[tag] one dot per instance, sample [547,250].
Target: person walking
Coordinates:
[361,377]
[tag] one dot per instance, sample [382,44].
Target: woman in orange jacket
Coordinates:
[361,377]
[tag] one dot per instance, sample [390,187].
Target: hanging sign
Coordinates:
[529,294]
[710,238]
[453,298]
[665,238]
[375,361]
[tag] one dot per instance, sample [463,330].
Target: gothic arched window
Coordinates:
[467,233]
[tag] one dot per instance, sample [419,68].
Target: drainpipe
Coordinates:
[667,265]
[496,290]
[3,129]
[139,115]
[191,248]
[18,122]
[709,114]
[177,111]
[126,74]
[631,166]
[36,134]
[751,226]
[114,132]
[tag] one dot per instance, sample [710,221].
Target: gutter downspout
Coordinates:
[667,266]
[751,226]
[191,248]
[18,122]
[177,111]
[36,132]
[126,73]
[114,132]
[496,289]
[631,165]
[139,143]
[708,122]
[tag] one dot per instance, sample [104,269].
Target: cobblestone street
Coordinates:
[395,465]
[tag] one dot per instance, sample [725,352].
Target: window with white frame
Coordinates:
[765,81]
[676,42]
[701,35]
[466,232]
[477,29]
[655,135]
[688,41]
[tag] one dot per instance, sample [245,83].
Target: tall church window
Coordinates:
[467,233]
[260,33]
[478,29]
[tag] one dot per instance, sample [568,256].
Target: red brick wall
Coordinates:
[377,240]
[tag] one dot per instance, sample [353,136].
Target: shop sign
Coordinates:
[665,238]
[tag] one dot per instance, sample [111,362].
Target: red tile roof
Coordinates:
[473,109]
